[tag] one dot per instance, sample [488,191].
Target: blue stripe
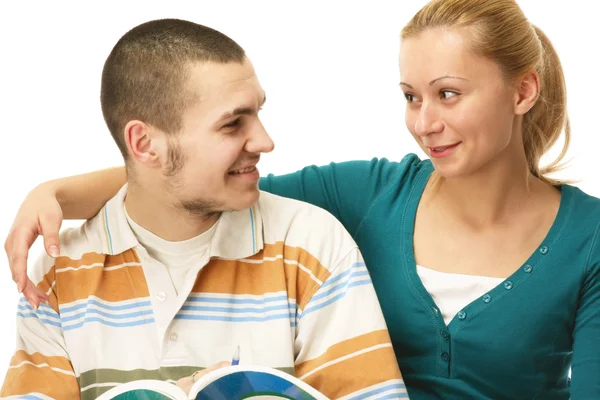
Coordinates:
[393,396]
[290,307]
[44,320]
[319,295]
[381,390]
[24,302]
[252,226]
[105,306]
[197,299]
[334,299]
[30,397]
[108,230]
[47,309]
[105,314]
[39,311]
[340,276]
[42,308]
[108,323]
[228,318]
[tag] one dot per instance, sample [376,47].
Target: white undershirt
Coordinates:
[453,292]
[177,257]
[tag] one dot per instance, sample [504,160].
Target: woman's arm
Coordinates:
[346,190]
[585,383]
[82,196]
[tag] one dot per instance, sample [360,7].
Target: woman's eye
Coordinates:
[409,97]
[446,94]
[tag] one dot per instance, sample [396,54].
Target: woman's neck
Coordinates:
[490,196]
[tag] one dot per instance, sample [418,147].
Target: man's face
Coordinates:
[220,141]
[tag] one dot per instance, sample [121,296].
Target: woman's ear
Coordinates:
[528,92]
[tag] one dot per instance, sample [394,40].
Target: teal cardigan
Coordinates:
[517,341]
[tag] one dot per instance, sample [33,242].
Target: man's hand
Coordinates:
[187,382]
[40,214]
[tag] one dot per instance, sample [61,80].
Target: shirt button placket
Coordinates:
[444,363]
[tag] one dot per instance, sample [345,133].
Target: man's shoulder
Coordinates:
[288,211]
[89,236]
[76,243]
[300,224]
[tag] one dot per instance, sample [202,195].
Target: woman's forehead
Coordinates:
[441,52]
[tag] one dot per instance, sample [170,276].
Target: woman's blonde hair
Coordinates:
[502,33]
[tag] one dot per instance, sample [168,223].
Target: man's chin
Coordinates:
[244,200]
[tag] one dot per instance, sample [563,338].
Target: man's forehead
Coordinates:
[225,83]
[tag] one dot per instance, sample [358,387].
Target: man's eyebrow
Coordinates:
[435,80]
[241,111]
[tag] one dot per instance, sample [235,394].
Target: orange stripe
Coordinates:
[239,277]
[117,285]
[218,276]
[297,254]
[344,348]
[356,373]
[313,265]
[29,379]
[37,358]
[45,285]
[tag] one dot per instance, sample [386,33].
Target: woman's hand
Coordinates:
[40,214]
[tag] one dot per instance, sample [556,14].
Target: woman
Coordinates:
[488,271]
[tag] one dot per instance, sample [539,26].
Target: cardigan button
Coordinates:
[445,356]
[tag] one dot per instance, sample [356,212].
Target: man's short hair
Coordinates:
[145,75]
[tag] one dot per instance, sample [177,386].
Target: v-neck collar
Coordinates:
[534,261]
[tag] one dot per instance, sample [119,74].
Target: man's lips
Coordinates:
[243,170]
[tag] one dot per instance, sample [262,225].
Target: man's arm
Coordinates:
[40,366]
[342,344]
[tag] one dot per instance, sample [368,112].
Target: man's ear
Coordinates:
[528,92]
[144,144]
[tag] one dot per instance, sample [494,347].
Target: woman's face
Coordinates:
[460,108]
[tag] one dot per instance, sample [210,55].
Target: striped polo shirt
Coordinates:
[282,280]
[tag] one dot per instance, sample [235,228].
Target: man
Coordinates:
[190,260]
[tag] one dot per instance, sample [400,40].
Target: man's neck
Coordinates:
[161,216]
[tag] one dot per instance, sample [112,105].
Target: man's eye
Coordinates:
[446,94]
[232,124]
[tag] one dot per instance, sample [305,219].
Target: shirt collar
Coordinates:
[238,234]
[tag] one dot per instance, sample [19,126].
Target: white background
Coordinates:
[329,70]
